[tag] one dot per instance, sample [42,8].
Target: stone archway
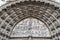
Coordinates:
[45,12]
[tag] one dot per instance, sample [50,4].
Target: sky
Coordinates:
[2,2]
[57,1]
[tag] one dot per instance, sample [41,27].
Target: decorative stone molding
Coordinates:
[16,11]
[17,1]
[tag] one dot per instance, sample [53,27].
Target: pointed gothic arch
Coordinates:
[14,13]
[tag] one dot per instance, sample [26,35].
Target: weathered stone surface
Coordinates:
[30,27]
[18,11]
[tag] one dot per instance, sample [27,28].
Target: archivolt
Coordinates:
[45,12]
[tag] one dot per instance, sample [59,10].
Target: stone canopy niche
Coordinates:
[30,27]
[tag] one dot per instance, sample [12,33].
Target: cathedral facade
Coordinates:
[30,20]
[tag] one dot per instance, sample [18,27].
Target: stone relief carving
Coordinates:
[31,27]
